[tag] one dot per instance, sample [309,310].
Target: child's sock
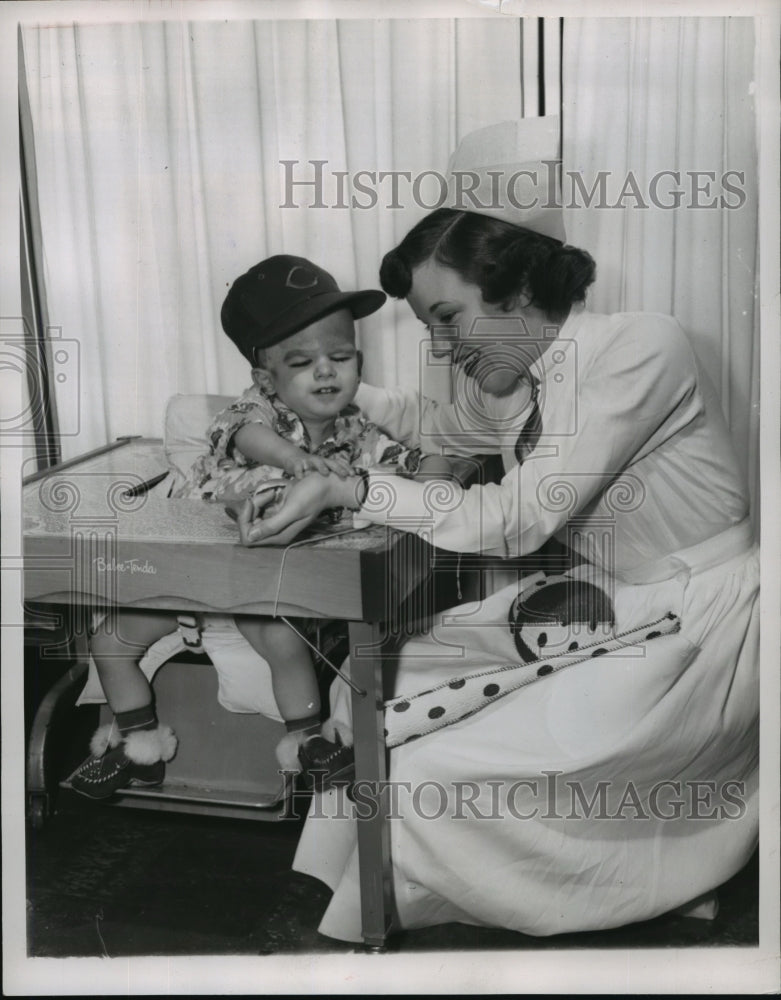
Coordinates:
[146,741]
[124,724]
[136,719]
[143,739]
[308,725]
[298,730]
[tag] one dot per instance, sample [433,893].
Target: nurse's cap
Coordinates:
[510,171]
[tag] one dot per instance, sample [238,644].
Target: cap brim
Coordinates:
[360,304]
[366,302]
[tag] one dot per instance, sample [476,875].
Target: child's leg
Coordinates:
[298,699]
[134,747]
[293,679]
[117,645]
[292,674]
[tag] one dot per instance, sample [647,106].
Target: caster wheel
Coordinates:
[38,811]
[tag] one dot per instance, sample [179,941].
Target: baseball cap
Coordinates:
[280,296]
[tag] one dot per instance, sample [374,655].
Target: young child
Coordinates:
[296,328]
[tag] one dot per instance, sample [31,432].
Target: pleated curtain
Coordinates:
[159,150]
[673,99]
[160,146]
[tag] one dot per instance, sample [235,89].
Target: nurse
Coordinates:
[613,788]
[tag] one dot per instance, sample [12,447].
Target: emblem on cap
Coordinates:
[308,278]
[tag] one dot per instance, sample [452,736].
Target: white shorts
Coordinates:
[244,677]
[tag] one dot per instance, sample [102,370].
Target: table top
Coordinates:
[91,494]
[87,542]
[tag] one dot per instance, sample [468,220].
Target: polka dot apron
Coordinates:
[557,622]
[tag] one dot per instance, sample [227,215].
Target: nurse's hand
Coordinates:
[245,513]
[302,503]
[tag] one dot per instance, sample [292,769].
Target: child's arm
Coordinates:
[464,429]
[380,450]
[437,467]
[260,443]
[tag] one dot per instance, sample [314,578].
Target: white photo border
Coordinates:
[685,970]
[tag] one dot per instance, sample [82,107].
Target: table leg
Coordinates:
[373,832]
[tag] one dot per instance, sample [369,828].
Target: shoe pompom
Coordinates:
[287,752]
[104,738]
[168,742]
[148,746]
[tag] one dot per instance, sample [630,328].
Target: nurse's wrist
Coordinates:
[353,490]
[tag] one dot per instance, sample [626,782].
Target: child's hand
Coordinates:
[339,465]
[298,465]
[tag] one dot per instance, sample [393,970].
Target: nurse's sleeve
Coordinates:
[638,391]
[467,429]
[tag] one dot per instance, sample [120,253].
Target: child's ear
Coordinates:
[359,355]
[264,380]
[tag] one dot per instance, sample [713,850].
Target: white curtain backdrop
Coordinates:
[158,149]
[672,94]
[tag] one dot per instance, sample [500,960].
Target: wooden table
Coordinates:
[88,544]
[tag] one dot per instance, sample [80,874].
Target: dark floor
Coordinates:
[107,881]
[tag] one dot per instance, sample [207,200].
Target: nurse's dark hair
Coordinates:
[502,259]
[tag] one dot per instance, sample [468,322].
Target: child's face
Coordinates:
[317,370]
